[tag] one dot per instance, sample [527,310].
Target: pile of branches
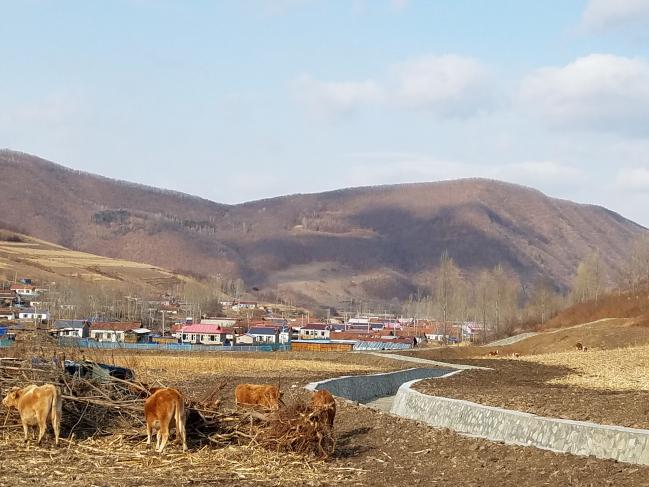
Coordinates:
[113,406]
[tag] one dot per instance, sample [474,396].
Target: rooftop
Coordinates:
[115,325]
[207,329]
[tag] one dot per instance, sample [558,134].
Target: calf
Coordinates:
[263,395]
[322,402]
[37,404]
[160,408]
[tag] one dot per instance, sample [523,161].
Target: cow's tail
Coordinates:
[56,412]
[180,421]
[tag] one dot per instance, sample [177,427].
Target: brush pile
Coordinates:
[95,406]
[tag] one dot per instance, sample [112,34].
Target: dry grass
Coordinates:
[177,367]
[618,369]
[130,463]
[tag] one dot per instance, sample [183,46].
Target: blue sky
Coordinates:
[239,100]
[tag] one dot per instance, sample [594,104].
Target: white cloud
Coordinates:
[399,5]
[599,92]
[448,85]
[601,15]
[634,179]
[338,98]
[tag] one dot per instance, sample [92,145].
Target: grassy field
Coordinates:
[38,258]
[618,369]
[152,366]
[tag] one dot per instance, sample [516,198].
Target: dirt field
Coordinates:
[373,449]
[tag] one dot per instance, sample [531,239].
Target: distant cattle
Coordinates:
[37,404]
[579,347]
[493,353]
[160,408]
[323,403]
[516,354]
[585,349]
[263,395]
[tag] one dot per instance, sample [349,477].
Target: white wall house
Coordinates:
[112,331]
[263,334]
[30,314]
[245,305]
[72,328]
[203,334]
[7,314]
[315,331]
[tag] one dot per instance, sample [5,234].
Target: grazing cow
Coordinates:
[493,353]
[579,347]
[585,349]
[263,395]
[322,402]
[37,404]
[160,408]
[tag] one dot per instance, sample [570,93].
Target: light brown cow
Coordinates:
[322,402]
[37,404]
[263,395]
[160,408]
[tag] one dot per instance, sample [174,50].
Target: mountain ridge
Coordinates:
[370,242]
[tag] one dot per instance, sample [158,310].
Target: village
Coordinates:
[243,325]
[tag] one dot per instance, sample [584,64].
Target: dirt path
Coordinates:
[418,360]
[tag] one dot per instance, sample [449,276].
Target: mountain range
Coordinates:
[370,243]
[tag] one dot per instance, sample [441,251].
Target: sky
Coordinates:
[247,99]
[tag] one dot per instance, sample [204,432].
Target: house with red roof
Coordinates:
[204,334]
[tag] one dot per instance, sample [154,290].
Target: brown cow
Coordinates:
[579,347]
[37,404]
[160,408]
[322,402]
[493,353]
[263,395]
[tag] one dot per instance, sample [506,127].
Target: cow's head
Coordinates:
[11,399]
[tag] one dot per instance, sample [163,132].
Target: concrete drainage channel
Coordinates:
[374,387]
[497,424]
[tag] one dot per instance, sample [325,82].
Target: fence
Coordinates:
[381,346]
[170,347]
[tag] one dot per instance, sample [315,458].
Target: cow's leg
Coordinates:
[42,426]
[164,433]
[26,430]
[148,434]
